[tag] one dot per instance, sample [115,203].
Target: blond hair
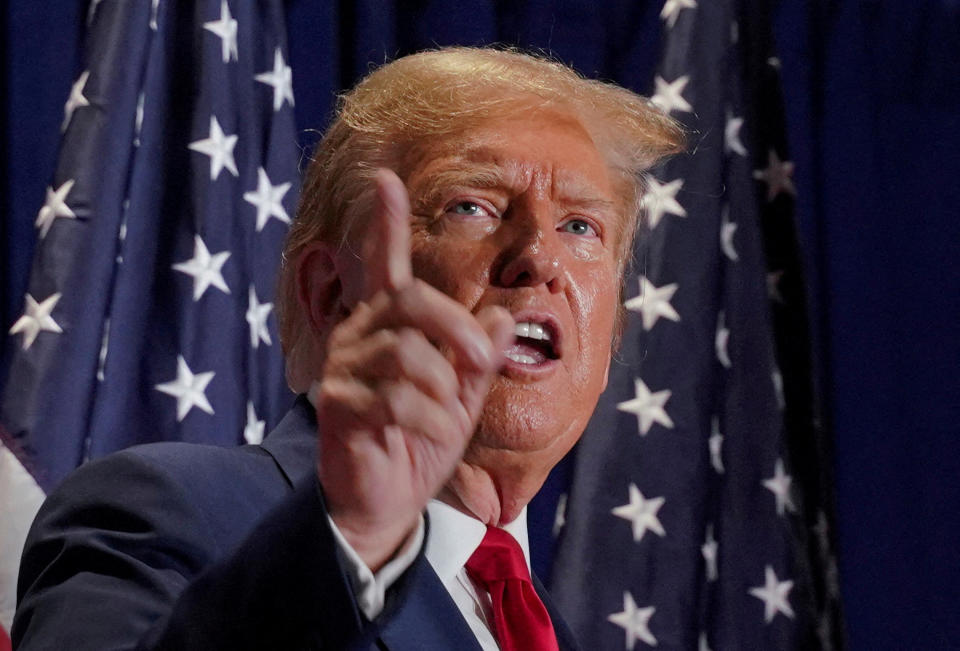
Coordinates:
[439,93]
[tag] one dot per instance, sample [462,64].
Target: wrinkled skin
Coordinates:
[515,220]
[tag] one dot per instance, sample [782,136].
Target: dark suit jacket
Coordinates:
[183,546]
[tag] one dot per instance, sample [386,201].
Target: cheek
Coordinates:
[596,304]
[587,250]
[458,271]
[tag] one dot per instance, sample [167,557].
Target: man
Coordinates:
[450,326]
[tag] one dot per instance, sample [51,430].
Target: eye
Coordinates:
[467,209]
[578,227]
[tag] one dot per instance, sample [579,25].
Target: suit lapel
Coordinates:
[293,442]
[426,616]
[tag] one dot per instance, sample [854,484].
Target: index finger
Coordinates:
[386,248]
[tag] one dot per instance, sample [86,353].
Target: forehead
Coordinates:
[517,149]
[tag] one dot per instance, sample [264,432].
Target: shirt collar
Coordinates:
[454,536]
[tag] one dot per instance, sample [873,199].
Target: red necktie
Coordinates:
[519,617]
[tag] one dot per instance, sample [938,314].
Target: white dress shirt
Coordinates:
[454,536]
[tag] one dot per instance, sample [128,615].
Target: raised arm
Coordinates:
[405,378]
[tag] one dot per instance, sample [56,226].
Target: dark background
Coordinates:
[873,99]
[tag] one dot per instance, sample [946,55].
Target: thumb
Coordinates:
[499,326]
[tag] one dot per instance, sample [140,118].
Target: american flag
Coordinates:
[699,511]
[150,309]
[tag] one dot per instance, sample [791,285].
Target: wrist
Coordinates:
[375,543]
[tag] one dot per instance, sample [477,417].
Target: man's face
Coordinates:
[522,213]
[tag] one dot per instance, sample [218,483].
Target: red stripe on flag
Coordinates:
[4,640]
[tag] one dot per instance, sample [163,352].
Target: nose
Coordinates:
[532,253]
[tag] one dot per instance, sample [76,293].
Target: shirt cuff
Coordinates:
[370,589]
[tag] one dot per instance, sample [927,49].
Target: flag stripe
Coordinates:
[20,497]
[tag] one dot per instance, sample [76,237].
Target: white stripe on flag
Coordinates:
[20,498]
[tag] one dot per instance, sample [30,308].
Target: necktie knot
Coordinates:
[520,620]
[498,558]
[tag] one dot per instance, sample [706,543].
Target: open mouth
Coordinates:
[536,344]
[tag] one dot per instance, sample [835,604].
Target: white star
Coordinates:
[257,314]
[716,444]
[154,8]
[774,595]
[36,318]
[219,147]
[188,389]
[777,176]
[280,78]
[668,96]
[635,621]
[253,432]
[204,268]
[226,29]
[779,485]
[560,517]
[642,513]
[268,199]
[721,341]
[55,206]
[777,379]
[648,407]
[731,135]
[727,230]
[76,99]
[774,62]
[672,8]
[709,551]
[661,199]
[653,302]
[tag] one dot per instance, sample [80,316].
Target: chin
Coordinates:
[526,429]
[529,417]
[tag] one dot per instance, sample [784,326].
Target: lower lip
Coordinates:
[536,371]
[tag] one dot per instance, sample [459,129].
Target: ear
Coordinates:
[319,290]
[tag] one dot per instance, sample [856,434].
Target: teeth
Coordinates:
[532,331]
[520,358]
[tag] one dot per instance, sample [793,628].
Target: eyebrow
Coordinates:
[466,172]
[460,173]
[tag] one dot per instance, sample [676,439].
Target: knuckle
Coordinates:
[396,399]
[407,350]
[404,299]
[338,337]
[336,393]
[407,337]
[383,340]
[447,382]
